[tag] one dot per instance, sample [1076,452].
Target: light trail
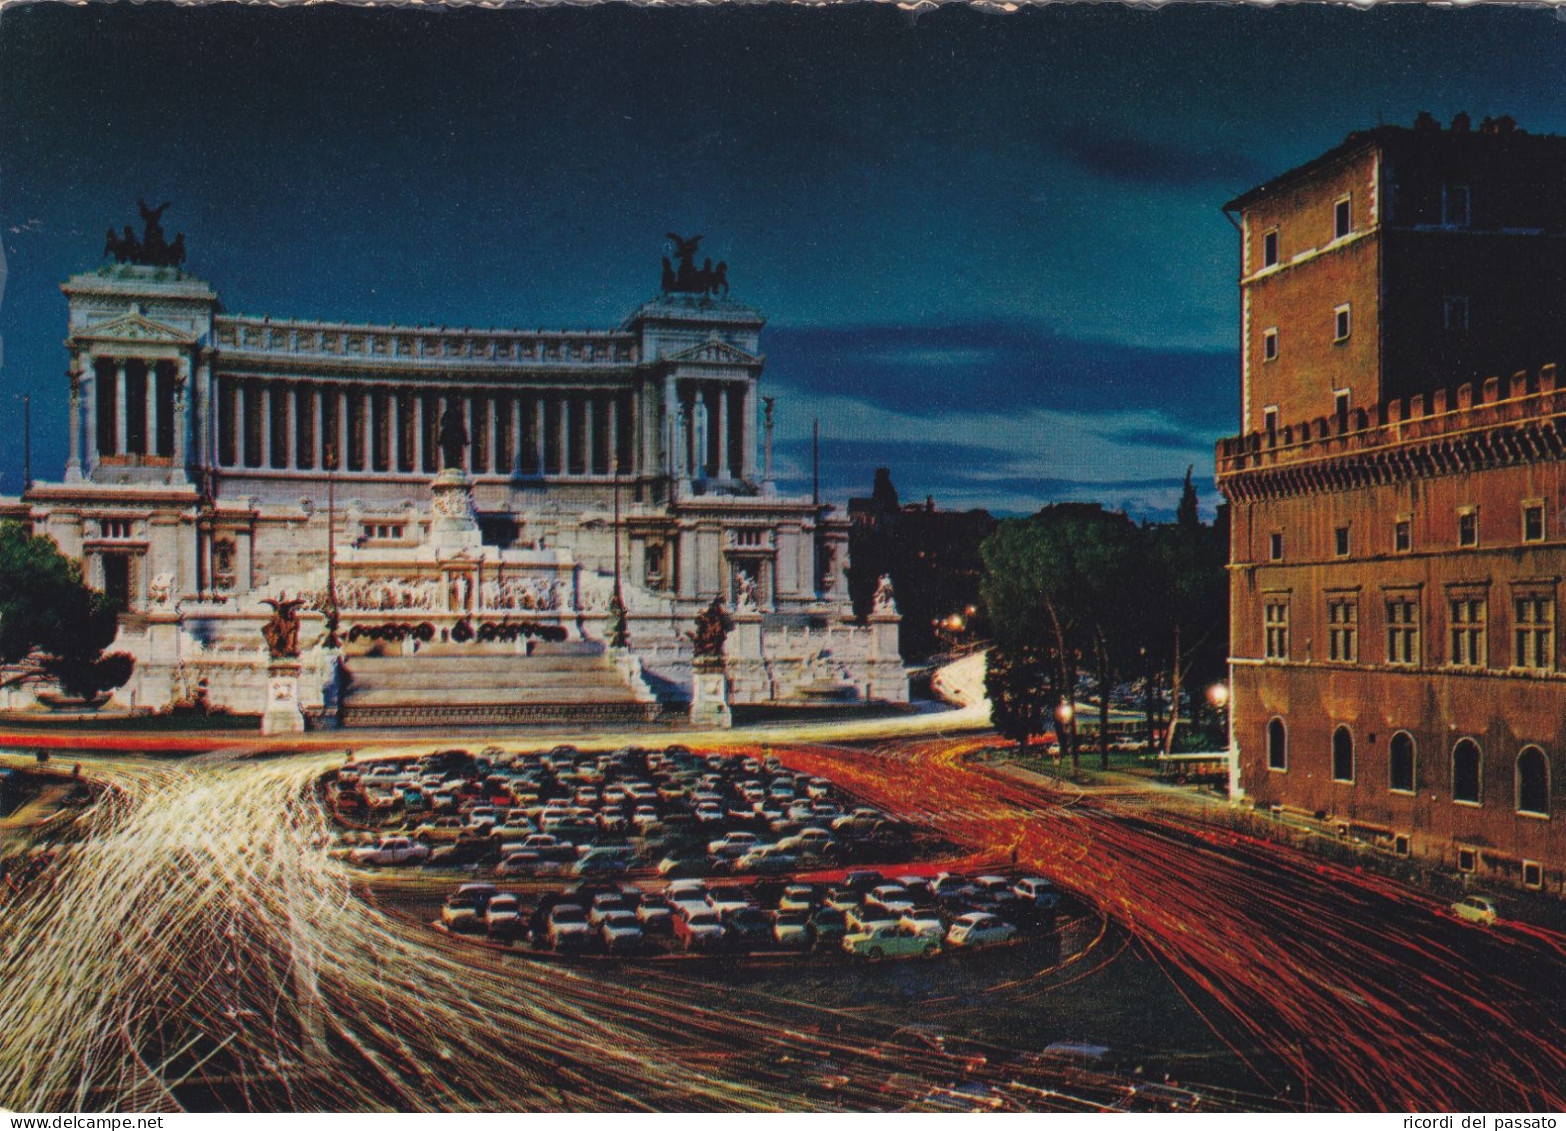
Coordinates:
[1354,985]
[200,948]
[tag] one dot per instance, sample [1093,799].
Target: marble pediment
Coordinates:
[713,351]
[134,327]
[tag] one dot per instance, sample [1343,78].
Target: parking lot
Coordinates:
[654,853]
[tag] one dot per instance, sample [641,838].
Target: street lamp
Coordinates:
[1064,713]
[1218,695]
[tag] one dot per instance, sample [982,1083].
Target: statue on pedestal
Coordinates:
[282,627]
[712,629]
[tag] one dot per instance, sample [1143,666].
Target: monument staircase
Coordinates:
[573,683]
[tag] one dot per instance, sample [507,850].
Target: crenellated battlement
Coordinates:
[1488,423]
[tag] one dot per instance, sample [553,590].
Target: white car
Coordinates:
[893,897]
[503,916]
[811,842]
[792,929]
[391,850]
[769,858]
[924,921]
[709,812]
[688,897]
[1038,891]
[620,930]
[797,897]
[567,927]
[1478,909]
[979,928]
[733,844]
[465,908]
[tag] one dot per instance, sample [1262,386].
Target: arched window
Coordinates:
[1466,771]
[1533,782]
[1277,746]
[1342,754]
[1401,763]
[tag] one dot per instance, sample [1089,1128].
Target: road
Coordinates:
[200,949]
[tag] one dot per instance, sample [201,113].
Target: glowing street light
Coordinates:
[1218,695]
[1064,713]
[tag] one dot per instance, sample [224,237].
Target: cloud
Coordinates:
[1169,439]
[1003,367]
[1117,155]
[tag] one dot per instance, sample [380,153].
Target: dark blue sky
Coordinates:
[989,245]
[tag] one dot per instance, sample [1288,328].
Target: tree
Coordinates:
[52,625]
[1016,679]
[1192,607]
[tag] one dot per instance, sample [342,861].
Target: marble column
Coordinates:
[565,433]
[239,422]
[266,424]
[538,431]
[290,424]
[723,431]
[78,378]
[121,400]
[495,423]
[90,413]
[149,427]
[589,448]
[748,456]
[318,429]
[398,438]
[182,394]
[367,431]
[516,432]
[703,441]
[612,432]
[418,433]
[342,427]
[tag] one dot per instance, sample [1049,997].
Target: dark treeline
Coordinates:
[1078,595]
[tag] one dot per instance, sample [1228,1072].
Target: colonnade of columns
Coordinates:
[129,408]
[712,427]
[307,425]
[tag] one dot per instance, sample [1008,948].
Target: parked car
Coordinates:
[891,897]
[566,927]
[733,844]
[890,940]
[924,921]
[620,932]
[726,899]
[792,929]
[701,930]
[797,897]
[978,928]
[769,859]
[748,928]
[602,861]
[869,916]
[1038,891]
[503,916]
[655,915]
[828,926]
[470,848]
[391,850]
[1478,909]
[464,908]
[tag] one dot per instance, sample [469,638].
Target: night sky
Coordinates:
[990,246]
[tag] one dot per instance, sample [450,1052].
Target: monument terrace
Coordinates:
[477,526]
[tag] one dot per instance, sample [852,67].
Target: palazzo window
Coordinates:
[1533,782]
[1340,541]
[1467,772]
[1533,521]
[1468,616]
[1275,619]
[1400,778]
[1270,249]
[654,565]
[1468,527]
[1454,206]
[115,528]
[1343,629]
[1403,631]
[1533,632]
[1402,536]
[1341,323]
[1270,344]
[1341,218]
[1275,546]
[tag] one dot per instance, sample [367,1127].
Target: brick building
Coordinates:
[1398,539]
